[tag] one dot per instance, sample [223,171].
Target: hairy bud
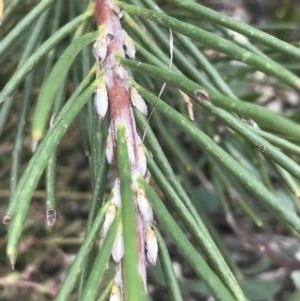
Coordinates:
[151,245]
[109,218]
[100,46]
[118,248]
[138,101]
[144,206]
[101,100]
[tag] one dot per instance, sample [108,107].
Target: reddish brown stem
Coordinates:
[120,108]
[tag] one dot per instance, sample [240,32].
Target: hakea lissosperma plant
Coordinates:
[231,134]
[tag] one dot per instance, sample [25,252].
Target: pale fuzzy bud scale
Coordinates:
[138,101]
[109,149]
[129,47]
[109,217]
[118,248]
[144,206]
[118,277]
[142,160]
[151,245]
[101,100]
[100,47]
[121,72]
[116,200]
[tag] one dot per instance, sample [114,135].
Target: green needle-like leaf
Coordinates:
[167,268]
[52,84]
[198,264]
[24,24]
[99,267]
[12,85]
[36,166]
[133,280]
[83,85]
[215,42]
[83,253]
[269,200]
[105,294]
[96,202]
[240,27]
[198,231]
[260,114]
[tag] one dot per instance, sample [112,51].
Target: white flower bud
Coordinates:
[142,160]
[151,246]
[109,217]
[101,100]
[100,47]
[109,150]
[144,206]
[118,248]
[115,294]
[138,101]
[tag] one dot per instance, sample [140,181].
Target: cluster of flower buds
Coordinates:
[116,94]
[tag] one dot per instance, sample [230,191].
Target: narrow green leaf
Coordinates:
[179,57]
[96,202]
[133,280]
[21,27]
[97,141]
[200,59]
[278,123]
[171,141]
[12,85]
[99,267]
[83,253]
[197,230]
[18,141]
[285,145]
[83,85]
[270,201]
[240,27]
[51,187]
[150,46]
[106,292]
[215,42]
[20,200]
[161,160]
[52,84]
[167,268]
[197,263]
[51,166]
[10,9]
[236,198]
[287,179]
[30,47]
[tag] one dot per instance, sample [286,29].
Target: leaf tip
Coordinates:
[51,217]
[201,95]
[6,219]
[12,255]
[36,136]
